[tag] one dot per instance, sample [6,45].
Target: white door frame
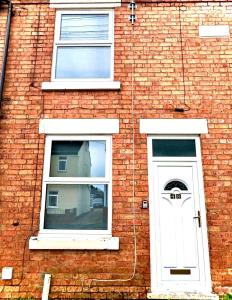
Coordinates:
[206,287]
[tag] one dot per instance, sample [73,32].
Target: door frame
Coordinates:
[153,210]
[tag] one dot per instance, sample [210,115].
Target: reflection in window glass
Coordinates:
[84,158]
[80,207]
[84,27]
[52,199]
[62,163]
[163,147]
[83,62]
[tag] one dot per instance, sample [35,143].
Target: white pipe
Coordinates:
[46,286]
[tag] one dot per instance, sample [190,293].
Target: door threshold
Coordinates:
[183,296]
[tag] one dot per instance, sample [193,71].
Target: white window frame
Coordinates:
[58,42]
[62,158]
[77,180]
[196,139]
[88,128]
[57,197]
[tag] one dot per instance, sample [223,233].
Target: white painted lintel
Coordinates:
[173,126]
[84,4]
[79,126]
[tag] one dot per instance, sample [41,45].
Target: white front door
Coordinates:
[177,241]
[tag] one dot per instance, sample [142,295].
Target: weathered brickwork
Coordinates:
[151,49]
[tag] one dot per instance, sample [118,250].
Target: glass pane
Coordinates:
[83,62]
[62,164]
[84,27]
[52,198]
[79,207]
[84,158]
[185,148]
[175,183]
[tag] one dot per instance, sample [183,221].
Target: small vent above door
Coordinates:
[175,184]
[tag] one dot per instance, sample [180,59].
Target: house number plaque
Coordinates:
[175,196]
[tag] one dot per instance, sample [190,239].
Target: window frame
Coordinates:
[174,137]
[62,159]
[107,179]
[58,43]
[57,197]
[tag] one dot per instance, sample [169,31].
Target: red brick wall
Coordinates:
[153,44]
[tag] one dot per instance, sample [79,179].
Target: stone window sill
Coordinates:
[81,85]
[69,243]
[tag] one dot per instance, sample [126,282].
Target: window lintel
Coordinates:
[85,4]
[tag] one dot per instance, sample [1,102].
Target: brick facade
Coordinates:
[153,45]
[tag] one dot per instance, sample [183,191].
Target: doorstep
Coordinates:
[183,296]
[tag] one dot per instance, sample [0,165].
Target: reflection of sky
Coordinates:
[84,27]
[97,154]
[101,187]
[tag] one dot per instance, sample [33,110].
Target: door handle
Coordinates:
[198,218]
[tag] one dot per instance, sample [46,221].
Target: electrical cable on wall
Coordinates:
[132,6]
[187,107]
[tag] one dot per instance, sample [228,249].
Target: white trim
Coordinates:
[183,296]
[62,159]
[106,180]
[79,126]
[85,4]
[173,126]
[83,82]
[81,85]
[214,31]
[85,243]
[174,158]
[155,290]
[57,197]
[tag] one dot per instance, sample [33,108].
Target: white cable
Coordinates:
[133,180]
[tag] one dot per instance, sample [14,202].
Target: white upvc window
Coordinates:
[83,45]
[82,194]
[85,201]
[52,201]
[62,164]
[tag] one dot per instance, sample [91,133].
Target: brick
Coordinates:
[153,46]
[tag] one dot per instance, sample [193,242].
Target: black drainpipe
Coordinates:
[6,46]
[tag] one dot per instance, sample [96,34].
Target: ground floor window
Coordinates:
[77,184]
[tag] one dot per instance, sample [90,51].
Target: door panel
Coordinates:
[178,236]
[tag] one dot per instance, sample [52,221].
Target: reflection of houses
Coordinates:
[96,196]
[77,157]
[69,159]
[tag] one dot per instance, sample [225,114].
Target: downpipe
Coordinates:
[6,47]
[46,286]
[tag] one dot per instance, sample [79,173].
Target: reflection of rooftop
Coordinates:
[96,219]
[96,192]
[66,147]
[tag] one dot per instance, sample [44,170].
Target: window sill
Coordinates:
[81,85]
[78,243]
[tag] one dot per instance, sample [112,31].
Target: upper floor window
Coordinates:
[83,45]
